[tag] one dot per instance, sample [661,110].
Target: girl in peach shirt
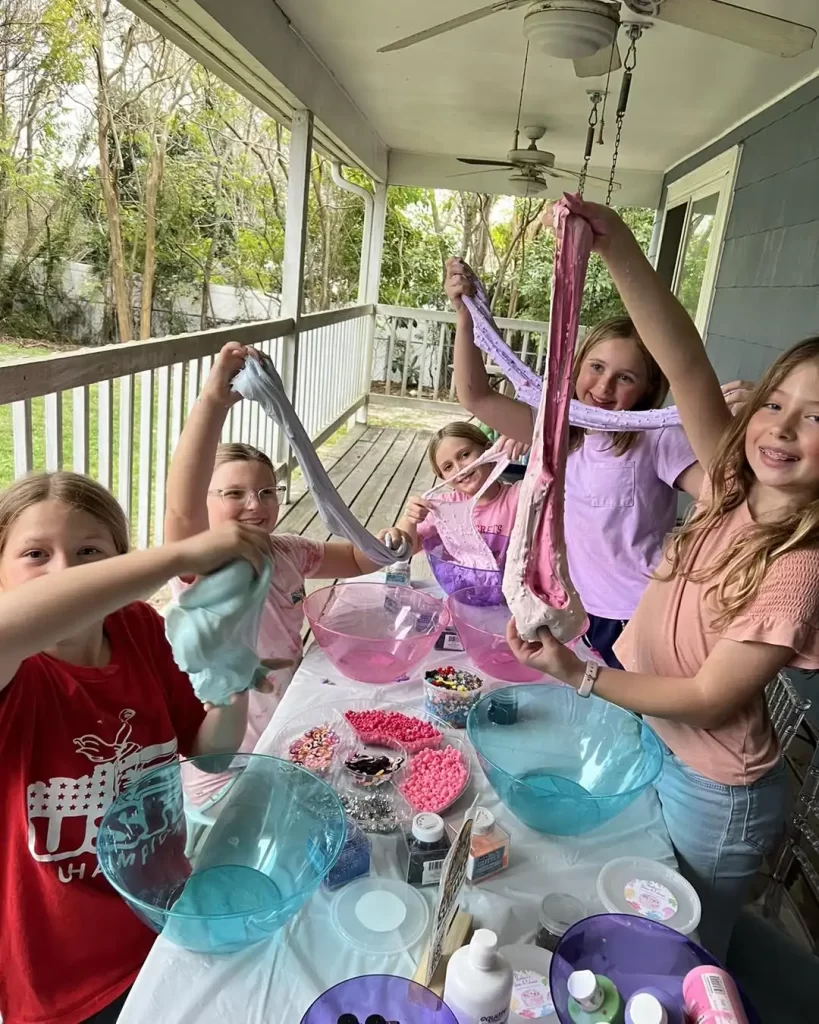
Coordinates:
[735,600]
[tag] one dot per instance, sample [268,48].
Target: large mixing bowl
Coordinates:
[375,632]
[452,576]
[635,953]
[220,879]
[563,764]
[481,615]
[395,999]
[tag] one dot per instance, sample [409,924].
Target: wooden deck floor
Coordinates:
[375,470]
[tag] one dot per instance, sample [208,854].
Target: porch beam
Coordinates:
[253,47]
[295,246]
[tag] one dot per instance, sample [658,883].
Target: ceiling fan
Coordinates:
[532,167]
[585,31]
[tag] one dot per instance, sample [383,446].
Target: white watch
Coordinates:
[589,679]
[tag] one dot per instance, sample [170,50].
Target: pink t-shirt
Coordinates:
[294,559]
[671,634]
[494,518]
[618,512]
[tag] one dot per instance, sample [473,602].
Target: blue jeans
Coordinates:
[602,635]
[720,834]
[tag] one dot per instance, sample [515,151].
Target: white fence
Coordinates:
[412,353]
[116,412]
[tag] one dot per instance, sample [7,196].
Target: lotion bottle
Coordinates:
[478,985]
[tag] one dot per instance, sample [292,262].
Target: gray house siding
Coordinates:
[767,289]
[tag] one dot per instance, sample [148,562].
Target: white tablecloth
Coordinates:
[275,982]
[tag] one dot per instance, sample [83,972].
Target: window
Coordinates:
[694,220]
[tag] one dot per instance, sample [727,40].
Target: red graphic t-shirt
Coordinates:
[71,737]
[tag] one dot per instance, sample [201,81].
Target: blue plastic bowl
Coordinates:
[219,879]
[634,953]
[561,763]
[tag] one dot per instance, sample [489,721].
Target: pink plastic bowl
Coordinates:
[375,632]
[480,615]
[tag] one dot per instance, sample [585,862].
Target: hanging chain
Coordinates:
[595,98]
[629,64]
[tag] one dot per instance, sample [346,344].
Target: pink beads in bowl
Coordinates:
[435,778]
[375,632]
[377,726]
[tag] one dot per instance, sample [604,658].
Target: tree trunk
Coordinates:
[153,182]
[439,231]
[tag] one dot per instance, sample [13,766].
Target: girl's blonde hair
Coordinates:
[741,566]
[71,488]
[465,431]
[233,451]
[657,386]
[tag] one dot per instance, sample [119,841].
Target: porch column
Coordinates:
[295,244]
[375,247]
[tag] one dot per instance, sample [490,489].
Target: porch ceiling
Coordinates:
[457,95]
[406,116]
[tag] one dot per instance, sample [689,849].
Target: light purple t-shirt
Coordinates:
[617,515]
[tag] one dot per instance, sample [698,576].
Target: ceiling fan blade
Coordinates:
[563,172]
[598,63]
[484,163]
[748,28]
[448,26]
[483,170]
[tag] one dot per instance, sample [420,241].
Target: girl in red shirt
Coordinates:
[90,698]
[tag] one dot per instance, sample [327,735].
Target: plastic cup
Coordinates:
[451,706]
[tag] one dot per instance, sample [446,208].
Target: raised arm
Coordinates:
[41,612]
[192,463]
[665,328]
[506,415]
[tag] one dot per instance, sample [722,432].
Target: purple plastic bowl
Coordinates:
[633,952]
[394,998]
[452,576]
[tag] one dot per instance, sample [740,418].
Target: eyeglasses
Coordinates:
[240,497]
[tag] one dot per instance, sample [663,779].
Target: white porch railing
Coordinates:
[116,412]
[412,354]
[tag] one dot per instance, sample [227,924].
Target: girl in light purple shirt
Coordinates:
[621,489]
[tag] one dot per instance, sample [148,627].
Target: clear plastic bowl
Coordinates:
[480,615]
[394,998]
[375,632]
[221,879]
[452,576]
[563,764]
[634,953]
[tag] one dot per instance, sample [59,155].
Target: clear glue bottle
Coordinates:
[478,985]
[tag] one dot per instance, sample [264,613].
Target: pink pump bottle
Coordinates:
[711,997]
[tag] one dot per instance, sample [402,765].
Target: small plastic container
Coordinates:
[531,997]
[380,916]
[370,765]
[424,849]
[647,888]
[558,912]
[435,779]
[450,694]
[353,861]
[384,995]
[489,849]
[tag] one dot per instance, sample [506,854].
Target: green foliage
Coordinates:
[221,199]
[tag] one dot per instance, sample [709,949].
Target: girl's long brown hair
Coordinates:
[657,385]
[741,567]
